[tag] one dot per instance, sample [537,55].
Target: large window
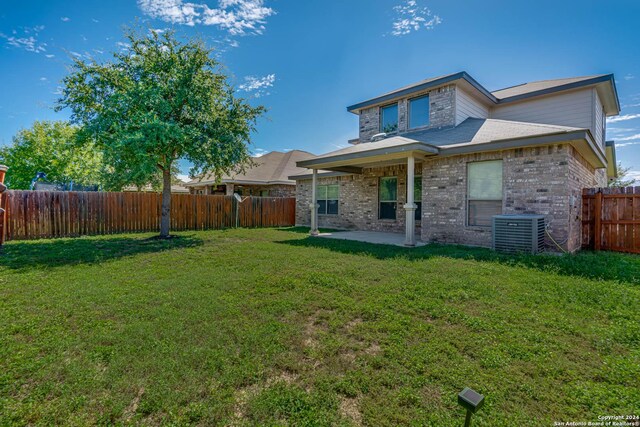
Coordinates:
[419,112]
[417,196]
[388,197]
[328,196]
[389,118]
[484,192]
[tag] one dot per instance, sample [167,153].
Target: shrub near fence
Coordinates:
[611,219]
[48,214]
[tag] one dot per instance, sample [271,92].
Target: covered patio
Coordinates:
[391,151]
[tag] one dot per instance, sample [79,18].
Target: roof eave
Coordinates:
[529,141]
[575,85]
[463,75]
[330,161]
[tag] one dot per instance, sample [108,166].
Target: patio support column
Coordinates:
[314,203]
[410,207]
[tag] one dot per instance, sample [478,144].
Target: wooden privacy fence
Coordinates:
[611,219]
[47,214]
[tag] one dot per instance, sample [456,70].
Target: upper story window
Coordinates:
[389,118]
[484,192]
[419,112]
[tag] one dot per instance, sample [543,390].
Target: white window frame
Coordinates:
[470,199]
[319,197]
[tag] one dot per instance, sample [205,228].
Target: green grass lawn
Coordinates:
[270,327]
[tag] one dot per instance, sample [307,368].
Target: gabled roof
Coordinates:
[422,86]
[545,87]
[503,96]
[272,168]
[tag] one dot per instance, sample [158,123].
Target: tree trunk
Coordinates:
[165,219]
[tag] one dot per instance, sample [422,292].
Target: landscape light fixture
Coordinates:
[471,400]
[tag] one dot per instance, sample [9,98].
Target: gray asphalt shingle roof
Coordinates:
[508,94]
[471,131]
[273,167]
[527,88]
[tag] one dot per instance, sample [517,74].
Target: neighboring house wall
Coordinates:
[274,190]
[468,106]
[278,190]
[358,200]
[565,109]
[442,112]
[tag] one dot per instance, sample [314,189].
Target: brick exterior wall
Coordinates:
[358,204]
[442,113]
[542,180]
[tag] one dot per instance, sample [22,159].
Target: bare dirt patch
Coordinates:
[133,406]
[349,409]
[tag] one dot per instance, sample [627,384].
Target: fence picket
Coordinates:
[48,214]
[611,219]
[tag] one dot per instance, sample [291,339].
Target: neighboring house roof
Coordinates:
[271,168]
[506,95]
[472,135]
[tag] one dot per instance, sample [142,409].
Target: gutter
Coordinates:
[414,146]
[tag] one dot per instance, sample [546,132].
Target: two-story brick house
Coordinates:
[437,159]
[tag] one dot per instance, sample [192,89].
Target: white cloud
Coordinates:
[182,177]
[623,118]
[123,46]
[43,79]
[238,17]
[629,77]
[27,41]
[627,144]
[633,175]
[65,19]
[50,56]
[629,138]
[259,152]
[258,85]
[411,17]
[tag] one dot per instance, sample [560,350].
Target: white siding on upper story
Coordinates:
[599,121]
[468,106]
[574,109]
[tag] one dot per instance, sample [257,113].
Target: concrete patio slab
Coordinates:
[380,238]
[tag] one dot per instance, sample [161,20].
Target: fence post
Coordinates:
[597,218]
[3,204]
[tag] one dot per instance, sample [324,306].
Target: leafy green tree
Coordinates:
[160,101]
[621,179]
[50,147]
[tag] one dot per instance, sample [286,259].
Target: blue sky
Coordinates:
[307,60]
